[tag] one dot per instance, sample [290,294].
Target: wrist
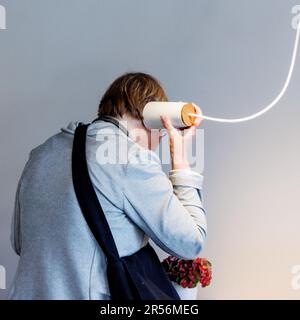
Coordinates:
[183,164]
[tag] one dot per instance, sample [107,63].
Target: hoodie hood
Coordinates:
[106,122]
[71,127]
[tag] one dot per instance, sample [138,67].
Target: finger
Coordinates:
[167,123]
[193,130]
[190,131]
[197,120]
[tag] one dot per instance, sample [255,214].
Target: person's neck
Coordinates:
[136,129]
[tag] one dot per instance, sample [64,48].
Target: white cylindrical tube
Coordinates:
[178,112]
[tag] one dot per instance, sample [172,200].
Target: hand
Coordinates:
[179,140]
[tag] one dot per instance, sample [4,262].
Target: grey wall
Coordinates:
[231,57]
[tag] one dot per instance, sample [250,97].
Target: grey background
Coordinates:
[231,57]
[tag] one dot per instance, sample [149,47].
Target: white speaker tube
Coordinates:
[178,112]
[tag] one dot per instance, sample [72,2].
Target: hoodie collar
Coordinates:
[114,121]
[97,124]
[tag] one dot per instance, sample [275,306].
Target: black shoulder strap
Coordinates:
[87,196]
[114,121]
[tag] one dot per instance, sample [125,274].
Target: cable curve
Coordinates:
[273,103]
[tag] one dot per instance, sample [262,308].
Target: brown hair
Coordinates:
[129,94]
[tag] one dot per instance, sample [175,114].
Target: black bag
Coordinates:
[136,277]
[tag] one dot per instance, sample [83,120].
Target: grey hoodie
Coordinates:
[59,257]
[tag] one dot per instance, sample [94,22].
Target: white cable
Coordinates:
[273,103]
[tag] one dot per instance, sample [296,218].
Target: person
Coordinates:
[59,257]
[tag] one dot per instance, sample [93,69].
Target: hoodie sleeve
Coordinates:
[15,225]
[15,235]
[167,208]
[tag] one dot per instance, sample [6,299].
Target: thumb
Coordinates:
[167,123]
